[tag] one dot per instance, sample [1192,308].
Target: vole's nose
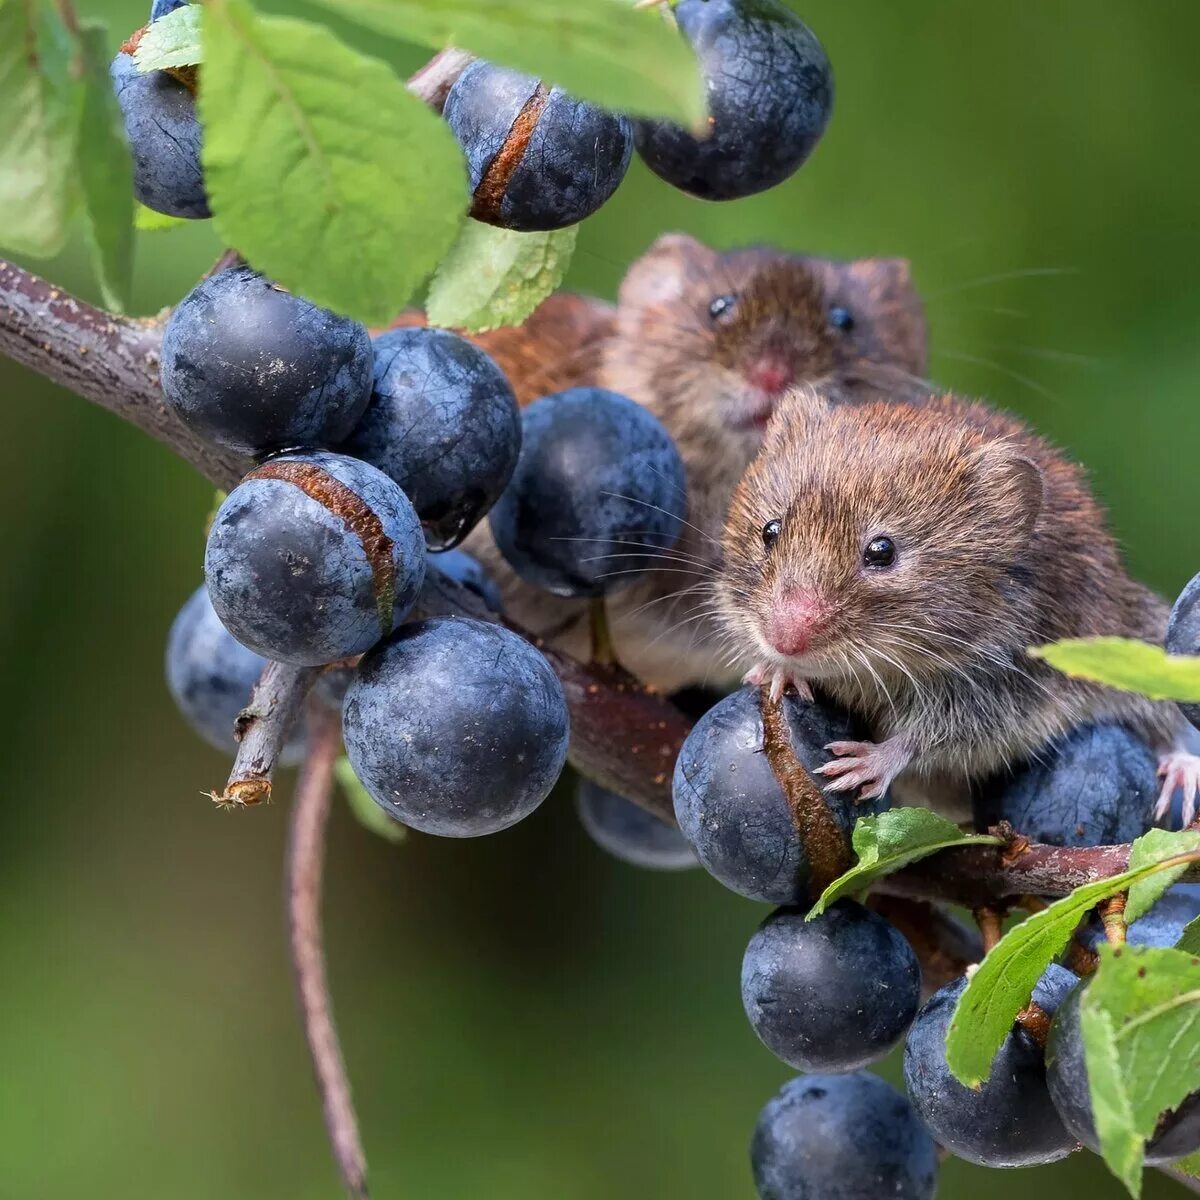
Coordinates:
[798,616]
[771,375]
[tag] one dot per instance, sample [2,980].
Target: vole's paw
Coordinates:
[1178,769]
[870,766]
[778,680]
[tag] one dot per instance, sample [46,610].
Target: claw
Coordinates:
[778,681]
[867,766]
[1178,770]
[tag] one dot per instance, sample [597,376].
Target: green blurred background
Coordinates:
[523,1017]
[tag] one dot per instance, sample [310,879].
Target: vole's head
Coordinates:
[712,341]
[879,538]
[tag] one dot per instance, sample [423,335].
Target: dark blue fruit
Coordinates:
[444,424]
[456,727]
[1178,1132]
[1010,1121]
[313,558]
[769,90]
[842,1137]
[164,139]
[538,158]
[630,833]
[1094,787]
[160,8]
[732,810]
[255,368]
[210,675]
[831,994]
[1183,634]
[596,496]
[467,570]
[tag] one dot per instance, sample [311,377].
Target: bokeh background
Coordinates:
[523,1017]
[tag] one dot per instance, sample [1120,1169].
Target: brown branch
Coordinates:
[944,946]
[303,870]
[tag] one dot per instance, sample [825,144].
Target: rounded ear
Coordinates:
[884,276]
[660,276]
[1012,483]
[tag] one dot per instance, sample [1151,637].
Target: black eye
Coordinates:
[880,552]
[841,318]
[722,307]
[770,533]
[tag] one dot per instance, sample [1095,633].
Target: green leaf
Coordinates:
[171,41]
[1189,939]
[1128,665]
[1153,847]
[40,104]
[320,167]
[363,807]
[599,50]
[1004,981]
[146,220]
[1140,1017]
[494,277]
[1188,1166]
[892,840]
[105,173]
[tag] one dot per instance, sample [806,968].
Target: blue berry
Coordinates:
[164,138]
[1010,1121]
[160,8]
[210,675]
[467,570]
[444,424]
[770,94]
[538,158]
[1183,634]
[1178,1132]
[731,808]
[456,727]
[313,558]
[597,494]
[629,832]
[842,1137]
[831,994]
[1094,787]
[258,369]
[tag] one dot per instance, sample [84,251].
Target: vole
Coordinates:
[901,558]
[709,341]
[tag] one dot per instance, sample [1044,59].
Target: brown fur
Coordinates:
[1001,545]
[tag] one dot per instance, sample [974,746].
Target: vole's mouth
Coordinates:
[753,408]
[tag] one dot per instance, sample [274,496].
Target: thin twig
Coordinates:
[1112,913]
[432,83]
[303,871]
[991,925]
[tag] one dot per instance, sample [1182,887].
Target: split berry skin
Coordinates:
[629,832]
[729,804]
[1183,634]
[842,1137]
[456,727]
[769,91]
[210,676]
[314,558]
[1095,787]
[1010,1121]
[257,369]
[832,994]
[1178,1132]
[444,424]
[538,158]
[164,137]
[597,495]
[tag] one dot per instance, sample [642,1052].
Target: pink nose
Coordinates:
[797,618]
[771,375]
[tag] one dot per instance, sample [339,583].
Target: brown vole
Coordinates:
[902,558]
[709,342]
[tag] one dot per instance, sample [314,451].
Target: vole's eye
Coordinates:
[770,533]
[879,553]
[721,309]
[841,318]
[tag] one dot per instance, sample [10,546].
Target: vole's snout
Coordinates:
[771,374]
[798,617]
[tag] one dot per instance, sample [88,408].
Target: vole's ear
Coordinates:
[1012,484]
[893,302]
[883,276]
[661,275]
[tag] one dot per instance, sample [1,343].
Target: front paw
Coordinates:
[777,680]
[868,766]
[1178,770]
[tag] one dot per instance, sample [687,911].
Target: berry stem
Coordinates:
[602,647]
[1112,913]
[304,867]
[991,925]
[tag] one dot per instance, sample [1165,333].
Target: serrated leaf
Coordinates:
[892,840]
[146,220]
[367,812]
[1153,847]
[1126,664]
[1189,939]
[320,167]
[599,50]
[105,173]
[1004,981]
[173,40]
[40,105]
[1189,1166]
[1140,1018]
[493,277]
